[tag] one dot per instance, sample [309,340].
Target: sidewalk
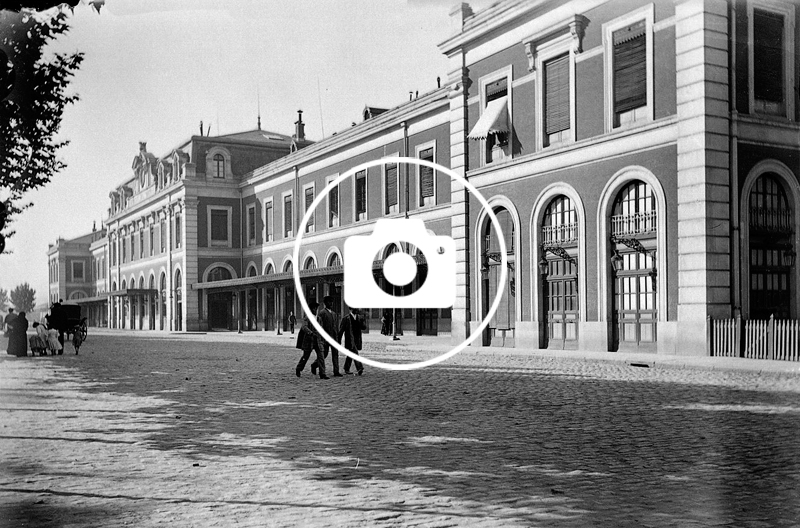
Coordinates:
[441,344]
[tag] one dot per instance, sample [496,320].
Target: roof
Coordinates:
[254,135]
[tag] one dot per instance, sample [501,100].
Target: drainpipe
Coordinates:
[734,170]
[296,213]
[404,126]
[241,262]
[169,260]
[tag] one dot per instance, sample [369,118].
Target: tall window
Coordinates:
[141,243]
[133,247]
[333,207]
[177,230]
[163,236]
[768,59]
[77,271]
[152,240]
[495,91]
[251,225]
[309,199]
[391,188]
[427,180]
[361,195]
[557,122]
[288,224]
[219,227]
[113,253]
[630,73]
[268,220]
[219,166]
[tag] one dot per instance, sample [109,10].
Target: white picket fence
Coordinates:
[772,339]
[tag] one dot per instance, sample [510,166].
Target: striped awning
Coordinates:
[493,120]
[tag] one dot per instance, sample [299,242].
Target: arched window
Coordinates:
[770,234]
[309,264]
[219,166]
[334,260]
[288,266]
[252,271]
[634,223]
[503,322]
[219,273]
[270,270]
[559,236]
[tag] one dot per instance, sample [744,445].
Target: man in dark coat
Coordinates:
[10,316]
[311,341]
[327,318]
[17,340]
[351,328]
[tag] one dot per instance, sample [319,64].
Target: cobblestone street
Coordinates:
[198,430]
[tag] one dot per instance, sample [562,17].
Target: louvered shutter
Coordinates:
[361,193]
[768,56]
[391,185]
[309,200]
[556,74]
[219,225]
[268,215]
[630,68]
[287,215]
[426,175]
[333,205]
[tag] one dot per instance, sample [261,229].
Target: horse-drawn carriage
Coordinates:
[66,318]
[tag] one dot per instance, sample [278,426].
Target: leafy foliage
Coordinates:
[31,116]
[23,297]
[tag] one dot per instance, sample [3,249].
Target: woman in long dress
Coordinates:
[17,340]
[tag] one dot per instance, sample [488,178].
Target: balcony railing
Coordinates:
[773,220]
[634,224]
[560,234]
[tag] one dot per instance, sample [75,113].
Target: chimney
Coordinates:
[94,226]
[201,128]
[438,82]
[142,146]
[458,15]
[299,127]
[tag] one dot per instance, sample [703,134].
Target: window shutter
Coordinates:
[309,200]
[391,185]
[287,214]
[361,192]
[426,175]
[630,68]
[768,56]
[556,76]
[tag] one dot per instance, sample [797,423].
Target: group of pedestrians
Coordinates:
[349,328]
[47,339]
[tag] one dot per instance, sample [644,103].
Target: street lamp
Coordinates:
[544,266]
[617,261]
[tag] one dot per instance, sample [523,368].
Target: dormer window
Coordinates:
[219,166]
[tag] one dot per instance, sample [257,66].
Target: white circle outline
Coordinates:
[313,318]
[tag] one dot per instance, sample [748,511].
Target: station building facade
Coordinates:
[641,158]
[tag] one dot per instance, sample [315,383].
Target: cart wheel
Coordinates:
[84,331]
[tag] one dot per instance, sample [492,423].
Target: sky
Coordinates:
[153,69]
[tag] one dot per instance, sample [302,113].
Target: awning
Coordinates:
[103,297]
[493,120]
[132,291]
[286,276]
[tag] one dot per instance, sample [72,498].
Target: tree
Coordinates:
[3,300]
[23,297]
[32,101]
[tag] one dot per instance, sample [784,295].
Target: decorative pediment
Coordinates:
[575,24]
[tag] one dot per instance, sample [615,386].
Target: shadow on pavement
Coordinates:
[528,441]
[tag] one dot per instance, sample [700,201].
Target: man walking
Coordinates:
[311,342]
[327,319]
[351,328]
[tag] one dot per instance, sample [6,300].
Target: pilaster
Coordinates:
[191,305]
[702,78]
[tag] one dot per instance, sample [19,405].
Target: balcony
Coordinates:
[560,234]
[634,224]
[771,220]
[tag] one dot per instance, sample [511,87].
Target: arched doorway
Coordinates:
[335,284]
[558,265]
[141,306]
[252,302]
[220,304]
[634,230]
[152,300]
[114,310]
[178,302]
[288,297]
[270,301]
[500,330]
[125,300]
[163,295]
[770,230]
